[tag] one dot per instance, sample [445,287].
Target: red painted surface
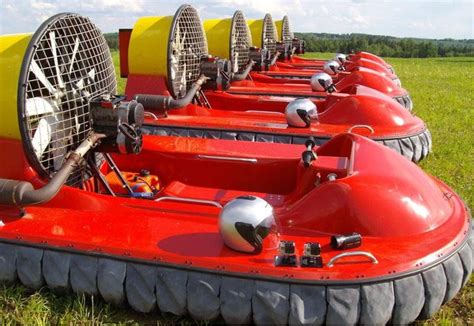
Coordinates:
[124,41]
[307,64]
[407,219]
[338,112]
[286,76]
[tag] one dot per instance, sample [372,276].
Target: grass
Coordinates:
[442,90]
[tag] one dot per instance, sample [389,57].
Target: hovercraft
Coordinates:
[182,103]
[202,226]
[290,47]
[238,51]
[264,36]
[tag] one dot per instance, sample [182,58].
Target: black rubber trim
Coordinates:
[423,138]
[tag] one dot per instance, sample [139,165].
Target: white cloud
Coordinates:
[432,18]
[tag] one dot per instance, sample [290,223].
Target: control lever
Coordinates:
[309,155]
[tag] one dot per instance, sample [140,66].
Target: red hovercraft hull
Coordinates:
[261,118]
[299,82]
[414,225]
[354,61]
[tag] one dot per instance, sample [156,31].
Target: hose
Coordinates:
[22,193]
[245,73]
[161,103]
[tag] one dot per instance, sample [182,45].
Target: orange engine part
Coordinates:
[139,182]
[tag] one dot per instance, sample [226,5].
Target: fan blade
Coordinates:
[91,74]
[52,38]
[73,57]
[43,134]
[82,82]
[36,70]
[178,35]
[236,62]
[38,106]
[183,78]
[181,44]
[60,141]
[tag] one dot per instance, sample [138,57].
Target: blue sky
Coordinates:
[427,19]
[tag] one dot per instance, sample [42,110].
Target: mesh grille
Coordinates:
[269,32]
[240,40]
[287,35]
[56,112]
[188,46]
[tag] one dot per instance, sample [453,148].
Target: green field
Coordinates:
[443,92]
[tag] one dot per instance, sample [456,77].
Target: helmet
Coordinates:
[321,82]
[340,58]
[245,222]
[398,82]
[331,67]
[300,112]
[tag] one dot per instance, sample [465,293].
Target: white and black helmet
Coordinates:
[331,67]
[245,222]
[321,82]
[341,58]
[300,112]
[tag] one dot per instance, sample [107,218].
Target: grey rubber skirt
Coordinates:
[206,296]
[414,148]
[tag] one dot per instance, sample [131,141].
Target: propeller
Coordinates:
[183,78]
[54,128]
[73,57]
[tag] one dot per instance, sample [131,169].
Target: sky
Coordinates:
[404,18]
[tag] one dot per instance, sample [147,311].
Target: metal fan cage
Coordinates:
[269,34]
[186,46]
[240,40]
[286,33]
[86,70]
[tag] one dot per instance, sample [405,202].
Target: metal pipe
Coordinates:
[162,104]
[22,193]
[245,73]
[189,200]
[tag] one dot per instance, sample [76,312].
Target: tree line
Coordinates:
[387,46]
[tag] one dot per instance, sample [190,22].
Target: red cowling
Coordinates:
[369,56]
[338,112]
[284,83]
[392,203]
[316,65]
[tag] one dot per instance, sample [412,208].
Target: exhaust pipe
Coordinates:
[245,73]
[22,194]
[162,104]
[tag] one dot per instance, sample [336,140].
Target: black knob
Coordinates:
[310,142]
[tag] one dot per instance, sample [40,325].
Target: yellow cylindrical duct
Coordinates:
[279,24]
[218,33]
[148,49]
[264,33]
[169,46]
[256,30]
[229,38]
[12,52]
[283,29]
